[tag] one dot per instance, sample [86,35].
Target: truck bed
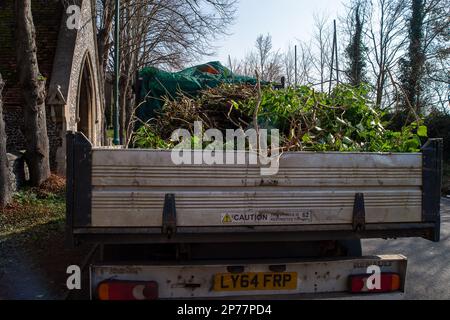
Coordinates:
[141,196]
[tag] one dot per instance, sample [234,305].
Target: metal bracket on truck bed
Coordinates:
[359,213]
[169,226]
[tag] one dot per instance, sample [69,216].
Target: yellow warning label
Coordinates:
[227,219]
[261,218]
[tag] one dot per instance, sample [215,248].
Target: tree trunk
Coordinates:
[103,36]
[33,93]
[130,105]
[5,192]
[413,66]
[123,110]
[103,46]
[380,87]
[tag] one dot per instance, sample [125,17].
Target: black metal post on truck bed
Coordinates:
[79,182]
[432,166]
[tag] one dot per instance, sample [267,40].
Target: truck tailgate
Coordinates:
[129,189]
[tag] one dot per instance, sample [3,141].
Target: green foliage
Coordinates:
[146,138]
[30,209]
[31,198]
[42,78]
[344,121]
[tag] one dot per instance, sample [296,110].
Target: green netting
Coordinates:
[157,84]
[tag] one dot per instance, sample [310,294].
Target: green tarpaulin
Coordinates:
[157,84]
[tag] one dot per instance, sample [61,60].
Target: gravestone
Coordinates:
[18,171]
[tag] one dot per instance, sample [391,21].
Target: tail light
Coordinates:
[127,290]
[390,282]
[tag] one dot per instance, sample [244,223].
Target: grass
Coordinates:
[110,133]
[34,256]
[34,207]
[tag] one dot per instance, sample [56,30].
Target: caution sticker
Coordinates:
[267,218]
[227,219]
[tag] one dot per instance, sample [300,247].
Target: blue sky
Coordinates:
[285,20]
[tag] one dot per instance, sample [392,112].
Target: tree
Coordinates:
[355,50]
[267,62]
[289,66]
[413,65]
[235,66]
[105,19]
[305,63]
[387,38]
[162,33]
[246,66]
[33,93]
[425,69]
[437,55]
[5,192]
[263,50]
[322,43]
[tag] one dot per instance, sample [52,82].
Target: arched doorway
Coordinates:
[86,104]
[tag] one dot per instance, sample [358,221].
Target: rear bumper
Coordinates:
[318,279]
[326,296]
[255,234]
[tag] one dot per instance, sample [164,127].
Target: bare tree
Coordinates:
[236,66]
[387,38]
[268,62]
[276,64]
[33,93]
[305,63]
[437,82]
[263,50]
[289,66]
[5,192]
[105,18]
[274,70]
[322,46]
[248,65]
[162,33]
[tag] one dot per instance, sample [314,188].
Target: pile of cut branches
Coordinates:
[214,107]
[344,120]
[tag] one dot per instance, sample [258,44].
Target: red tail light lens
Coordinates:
[390,282]
[126,291]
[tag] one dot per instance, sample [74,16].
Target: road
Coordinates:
[429,263]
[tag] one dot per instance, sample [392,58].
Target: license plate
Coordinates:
[255,281]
